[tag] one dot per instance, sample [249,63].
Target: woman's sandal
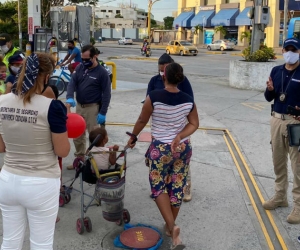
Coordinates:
[178,246]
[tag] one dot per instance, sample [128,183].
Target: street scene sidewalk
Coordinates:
[222,213]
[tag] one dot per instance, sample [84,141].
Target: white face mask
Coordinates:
[291,57]
[161,73]
[4,48]
[14,69]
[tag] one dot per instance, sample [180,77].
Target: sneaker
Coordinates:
[187,192]
[71,167]
[275,202]
[294,216]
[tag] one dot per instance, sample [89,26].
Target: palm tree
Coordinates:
[246,35]
[220,29]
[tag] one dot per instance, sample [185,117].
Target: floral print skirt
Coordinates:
[168,171]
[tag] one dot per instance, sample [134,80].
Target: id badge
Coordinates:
[282,97]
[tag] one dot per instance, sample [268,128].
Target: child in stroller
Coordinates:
[103,161]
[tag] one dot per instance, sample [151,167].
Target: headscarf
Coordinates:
[31,73]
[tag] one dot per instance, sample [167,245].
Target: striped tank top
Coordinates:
[170,111]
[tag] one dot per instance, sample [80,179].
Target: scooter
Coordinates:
[146,50]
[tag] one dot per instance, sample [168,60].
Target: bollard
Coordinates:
[28,49]
[114,72]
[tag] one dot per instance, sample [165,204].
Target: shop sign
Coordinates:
[207,7]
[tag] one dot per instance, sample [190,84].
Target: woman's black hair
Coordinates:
[71,41]
[95,132]
[54,89]
[174,73]
[165,59]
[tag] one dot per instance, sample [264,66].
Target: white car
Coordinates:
[125,40]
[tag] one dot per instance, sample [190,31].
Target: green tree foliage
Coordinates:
[87,2]
[45,9]
[8,24]
[168,22]
[264,54]
[246,35]
[220,29]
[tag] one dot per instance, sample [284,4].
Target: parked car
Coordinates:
[221,45]
[181,47]
[125,40]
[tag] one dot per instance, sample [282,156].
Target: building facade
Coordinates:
[232,16]
[120,17]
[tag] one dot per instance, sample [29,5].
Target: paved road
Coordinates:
[220,215]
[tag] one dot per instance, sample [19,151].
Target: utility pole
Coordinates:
[20,25]
[286,7]
[150,4]
[257,36]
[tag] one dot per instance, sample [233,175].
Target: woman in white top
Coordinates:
[174,119]
[32,134]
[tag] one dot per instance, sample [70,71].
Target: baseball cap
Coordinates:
[4,38]
[16,58]
[292,42]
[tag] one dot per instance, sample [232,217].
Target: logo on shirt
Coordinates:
[295,80]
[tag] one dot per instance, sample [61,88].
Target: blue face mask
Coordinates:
[87,63]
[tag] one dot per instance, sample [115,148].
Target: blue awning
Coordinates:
[293,5]
[184,19]
[203,15]
[242,19]
[225,17]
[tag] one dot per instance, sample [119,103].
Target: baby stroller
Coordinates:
[109,189]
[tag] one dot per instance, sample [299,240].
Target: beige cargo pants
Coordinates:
[89,113]
[281,150]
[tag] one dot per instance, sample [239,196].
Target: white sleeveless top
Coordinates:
[26,133]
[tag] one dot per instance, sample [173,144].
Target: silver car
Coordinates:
[125,40]
[221,45]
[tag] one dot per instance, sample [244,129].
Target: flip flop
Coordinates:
[180,246]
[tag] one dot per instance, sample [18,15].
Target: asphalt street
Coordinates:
[220,216]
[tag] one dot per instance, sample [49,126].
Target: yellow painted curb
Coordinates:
[215,52]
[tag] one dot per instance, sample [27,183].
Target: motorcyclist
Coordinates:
[144,47]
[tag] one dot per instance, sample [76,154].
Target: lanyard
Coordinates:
[288,82]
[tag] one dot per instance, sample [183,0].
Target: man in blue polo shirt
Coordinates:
[73,54]
[283,87]
[92,85]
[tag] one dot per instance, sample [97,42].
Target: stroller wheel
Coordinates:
[126,216]
[88,224]
[62,200]
[80,226]
[68,198]
[119,222]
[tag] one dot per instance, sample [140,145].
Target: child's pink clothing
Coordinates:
[102,159]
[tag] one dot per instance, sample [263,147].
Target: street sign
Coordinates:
[30,25]
[176,26]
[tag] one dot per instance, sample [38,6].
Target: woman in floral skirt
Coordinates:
[174,119]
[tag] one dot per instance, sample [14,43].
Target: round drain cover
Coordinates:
[139,237]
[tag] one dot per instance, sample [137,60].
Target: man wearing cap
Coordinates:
[7,47]
[283,86]
[14,65]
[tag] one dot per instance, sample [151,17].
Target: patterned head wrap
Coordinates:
[31,73]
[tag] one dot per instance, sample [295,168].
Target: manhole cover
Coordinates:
[139,237]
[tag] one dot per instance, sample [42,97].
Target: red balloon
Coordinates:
[75,125]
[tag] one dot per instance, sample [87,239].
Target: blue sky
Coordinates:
[160,9]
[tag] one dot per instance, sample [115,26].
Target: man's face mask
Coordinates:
[4,48]
[161,73]
[87,62]
[15,69]
[291,57]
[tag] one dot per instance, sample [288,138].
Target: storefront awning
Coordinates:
[203,16]
[242,19]
[225,17]
[184,19]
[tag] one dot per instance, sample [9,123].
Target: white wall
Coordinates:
[106,33]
